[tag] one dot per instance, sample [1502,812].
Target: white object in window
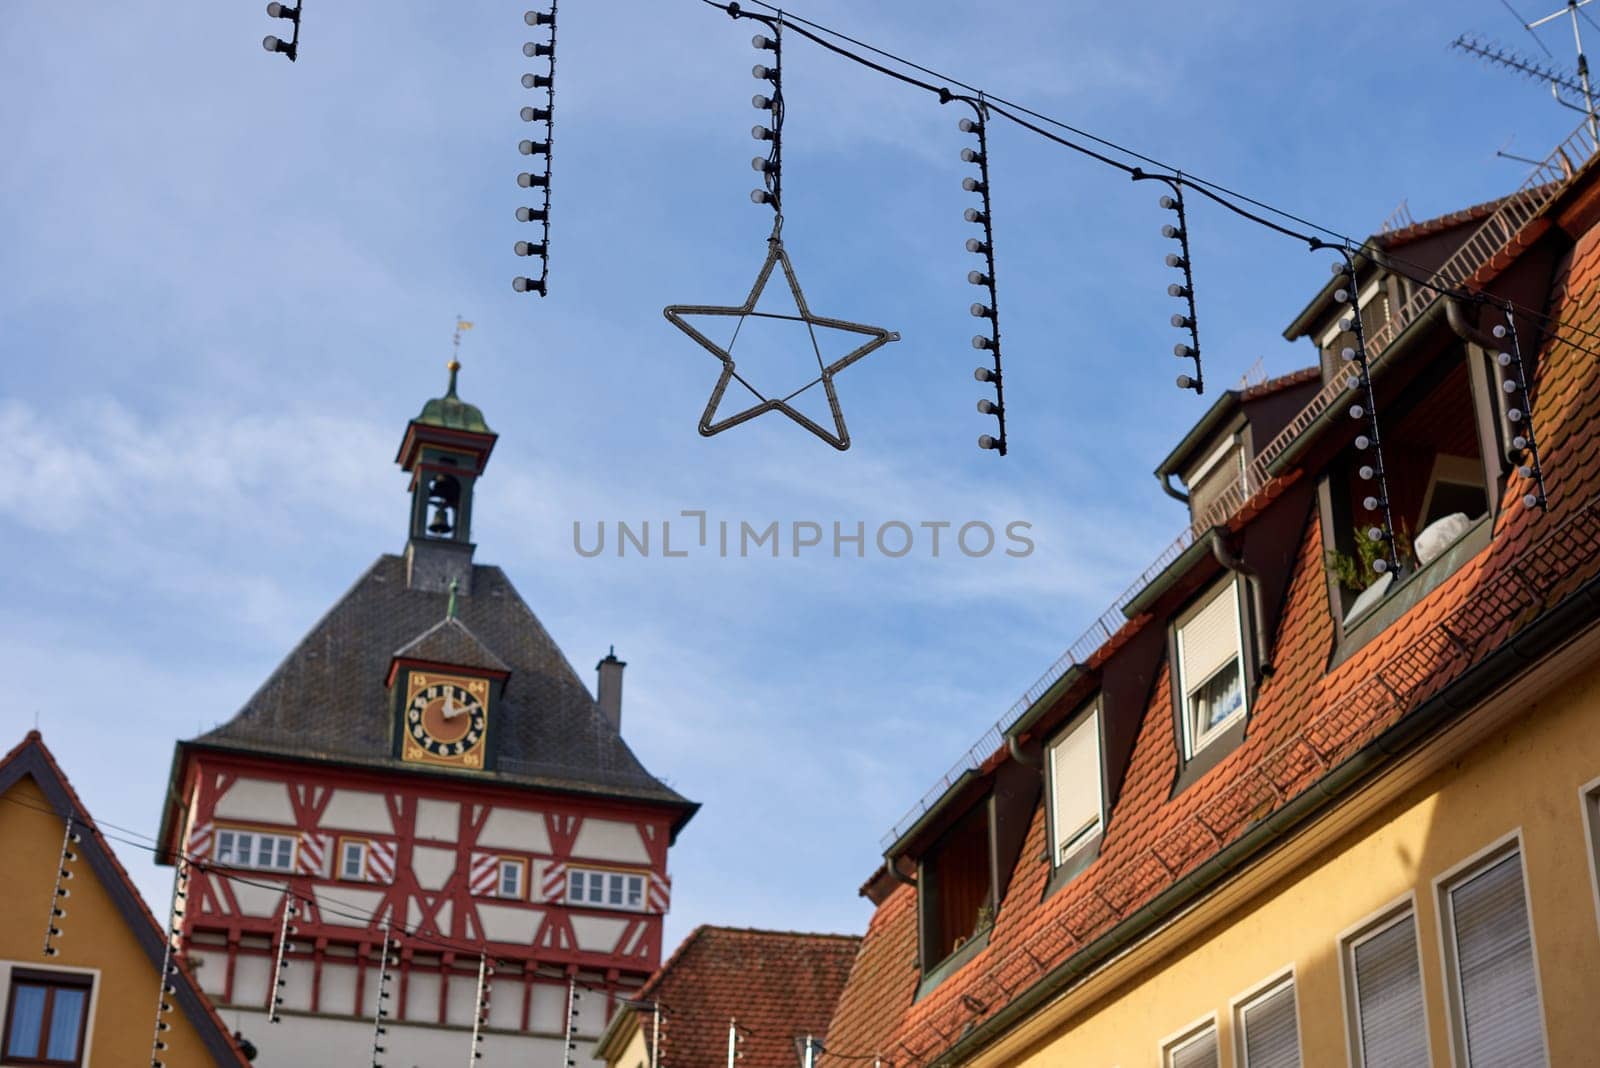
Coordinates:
[353,861]
[510,884]
[1386,977]
[1210,666]
[1197,1050]
[1075,790]
[1268,1034]
[256,849]
[1494,992]
[1439,535]
[606,889]
[1369,597]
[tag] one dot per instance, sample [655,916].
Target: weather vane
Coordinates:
[770,167]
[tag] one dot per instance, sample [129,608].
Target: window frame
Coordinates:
[52,980]
[1589,801]
[607,874]
[934,970]
[363,844]
[1254,995]
[1188,1036]
[1373,924]
[236,829]
[520,866]
[1443,883]
[1086,844]
[1191,747]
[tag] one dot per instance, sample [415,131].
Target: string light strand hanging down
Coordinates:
[169,965]
[1518,409]
[770,167]
[984,246]
[1185,289]
[60,893]
[540,148]
[274,43]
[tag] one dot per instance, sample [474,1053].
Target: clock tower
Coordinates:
[425,766]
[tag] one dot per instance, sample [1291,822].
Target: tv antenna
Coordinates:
[1564,86]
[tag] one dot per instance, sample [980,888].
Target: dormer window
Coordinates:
[1214,476]
[1375,307]
[957,887]
[1077,795]
[1209,678]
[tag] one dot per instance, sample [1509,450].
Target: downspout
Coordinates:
[1233,563]
[1014,747]
[1545,634]
[1165,478]
[1468,331]
[893,865]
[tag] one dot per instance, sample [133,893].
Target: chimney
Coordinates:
[610,689]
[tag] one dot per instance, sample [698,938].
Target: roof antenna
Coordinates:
[1560,80]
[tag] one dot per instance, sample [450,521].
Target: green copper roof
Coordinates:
[451,411]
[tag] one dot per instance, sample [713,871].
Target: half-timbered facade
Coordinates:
[426,764]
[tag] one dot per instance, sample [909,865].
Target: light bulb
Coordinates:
[1182,321]
[977,278]
[1375,533]
[1347,353]
[1526,471]
[761,41]
[1168,203]
[988,407]
[981,311]
[1176,290]
[967,126]
[528,248]
[973,215]
[982,341]
[760,196]
[528,181]
[1366,471]
[761,70]
[530,215]
[1357,412]
[1341,295]
[972,185]
[1347,324]
[759,101]
[539,18]
[1519,442]
[1185,382]
[535,114]
[985,441]
[974,245]
[1530,500]
[535,81]
[1182,351]
[984,374]
[1380,565]
[534,148]
[1168,230]
[1499,330]
[971,155]
[1363,442]
[1371,504]
[1509,386]
[1515,415]
[1503,359]
[760,133]
[1174,260]
[532,49]
[763,164]
[1339,268]
[1352,382]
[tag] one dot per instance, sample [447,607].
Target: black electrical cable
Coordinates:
[1215,191]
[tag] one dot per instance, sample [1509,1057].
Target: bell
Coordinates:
[441,522]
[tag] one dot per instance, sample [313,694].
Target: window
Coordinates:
[956,887]
[606,889]
[1222,471]
[1075,790]
[46,1016]
[1384,987]
[1210,675]
[1374,304]
[1266,1029]
[256,849]
[1494,993]
[353,861]
[1197,1049]
[510,884]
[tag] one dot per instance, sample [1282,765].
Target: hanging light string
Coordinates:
[273,43]
[59,893]
[570,1046]
[279,980]
[1184,289]
[530,147]
[480,1012]
[770,166]
[1364,409]
[381,1012]
[1228,198]
[984,246]
[169,967]
[1519,414]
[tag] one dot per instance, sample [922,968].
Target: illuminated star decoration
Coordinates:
[876,336]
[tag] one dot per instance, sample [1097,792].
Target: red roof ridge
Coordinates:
[1406,234]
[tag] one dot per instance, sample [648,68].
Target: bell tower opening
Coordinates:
[445,450]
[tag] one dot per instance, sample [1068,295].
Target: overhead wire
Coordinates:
[1223,195]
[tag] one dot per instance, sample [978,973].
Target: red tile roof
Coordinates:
[1405,235]
[1305,721]
[778,986]
[32,757]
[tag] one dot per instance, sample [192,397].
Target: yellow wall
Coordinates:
[1525,777]
[94,938]
[635,1051]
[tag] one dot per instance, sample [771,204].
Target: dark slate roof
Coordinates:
[450,642]
[327,700]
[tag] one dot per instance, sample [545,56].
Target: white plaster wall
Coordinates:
[610,840]
[256,800]
[251,977]
[314,1042]
[257,900]
[505,1003]
[213,971]
[422,997]
[432,867]
[461,1001]
[338,988]
[358,810]
[508,923]
[444,915]
[548,1010]
[297,971]
[438,821]
[413,913]
[509,828]
[597,934]
[346,899]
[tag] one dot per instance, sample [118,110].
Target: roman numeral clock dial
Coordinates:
[446,720]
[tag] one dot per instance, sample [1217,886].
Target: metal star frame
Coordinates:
[877,337]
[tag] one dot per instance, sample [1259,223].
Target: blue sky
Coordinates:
[228,281]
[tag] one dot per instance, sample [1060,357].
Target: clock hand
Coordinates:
[451,709]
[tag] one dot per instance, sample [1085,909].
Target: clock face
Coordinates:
[445,720]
